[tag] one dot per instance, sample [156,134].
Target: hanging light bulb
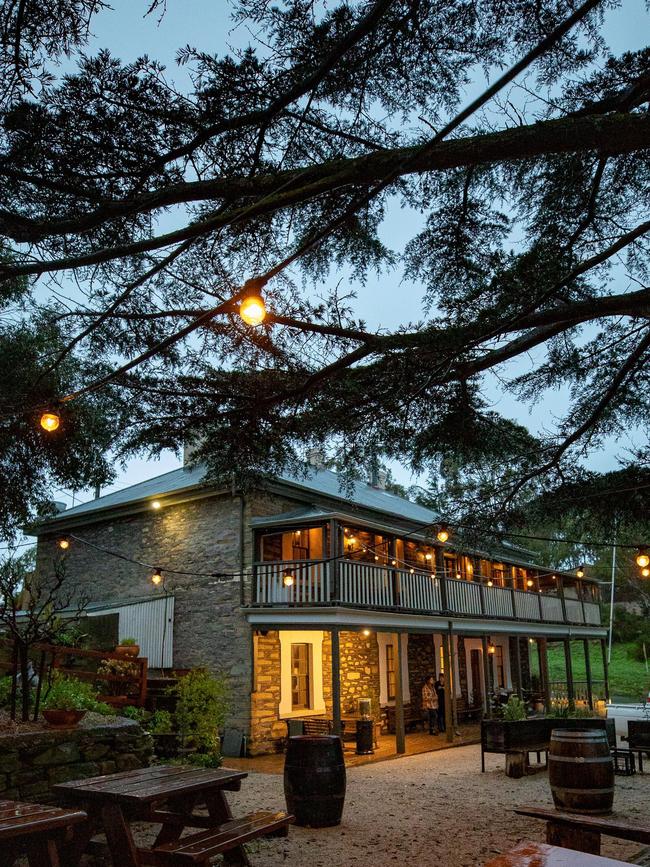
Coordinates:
[530,582]
[366,632]
[642,558]
[492,649]
[50,421]
[157,577]
[645,572]
[252,310]
[63,543]
[443,534]
[580,571]
[288,579]
[156,504]
[490,583]
[428,556]
[393,562]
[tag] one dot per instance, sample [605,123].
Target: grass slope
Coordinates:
[627,676]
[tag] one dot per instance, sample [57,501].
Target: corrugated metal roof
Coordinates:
[319,482]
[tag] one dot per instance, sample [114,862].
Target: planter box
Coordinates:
[505,736]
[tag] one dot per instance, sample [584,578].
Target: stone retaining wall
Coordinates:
[32,762]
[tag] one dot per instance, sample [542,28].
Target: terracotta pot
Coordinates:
[63,718]
[131,651]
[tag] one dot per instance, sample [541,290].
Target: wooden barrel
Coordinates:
[581,771]
[314,780]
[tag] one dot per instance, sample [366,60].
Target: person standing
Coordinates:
[440,693]
[430,704]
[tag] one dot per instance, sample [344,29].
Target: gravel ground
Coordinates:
[431,809]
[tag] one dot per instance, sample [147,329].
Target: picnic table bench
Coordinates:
[34,830]
[582,832]
[168,796]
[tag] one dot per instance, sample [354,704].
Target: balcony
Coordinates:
[364,585]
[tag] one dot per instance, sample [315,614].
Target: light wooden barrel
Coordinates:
[581,771]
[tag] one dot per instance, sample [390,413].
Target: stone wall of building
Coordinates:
[359,671]
[461,659]
[421,662]
[35,761]
[267,731]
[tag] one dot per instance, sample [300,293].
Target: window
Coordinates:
[300,545]
[390,672]
[300,677]
[442,659]
[499,668]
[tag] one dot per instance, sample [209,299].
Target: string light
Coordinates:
[645,572]
[443,534]
[63,543]
[490,583]
[156,504]
[642,558]
[157,577]
[428,556]
[252,310]
[366,632]
[50,421]
[288,579]
[530,582]
[580,571]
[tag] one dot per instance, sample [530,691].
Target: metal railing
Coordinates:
[370,585]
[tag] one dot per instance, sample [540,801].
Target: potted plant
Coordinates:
[67,701]
[118,674]
[128,647]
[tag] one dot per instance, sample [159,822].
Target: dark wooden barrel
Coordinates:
[581,771]
[314,780]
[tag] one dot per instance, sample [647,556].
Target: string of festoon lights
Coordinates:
[442,531]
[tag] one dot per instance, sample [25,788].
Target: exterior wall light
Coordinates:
[288,580]
[492,649]
[580,571]
[443,534]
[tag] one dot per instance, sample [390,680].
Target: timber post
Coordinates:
[336,681]
[400,736]
[569,674]
[590,690]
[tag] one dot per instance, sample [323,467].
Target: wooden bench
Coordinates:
[412,718]
[582,832]
[202,847]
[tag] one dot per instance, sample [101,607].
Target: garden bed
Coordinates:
[35,757]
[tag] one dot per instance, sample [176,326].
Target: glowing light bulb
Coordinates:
[288,579]
[529,583]
[442,535]
[64,544]
[156,504]
[252,310]
[156,578]
[490,583]
[366,632]
[580,571]
[642,559]
[645,572]
[428,556]
[50,421]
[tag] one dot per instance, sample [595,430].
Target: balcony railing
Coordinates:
[366,585]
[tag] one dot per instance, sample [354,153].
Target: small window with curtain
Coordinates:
[300,677]
[390,672]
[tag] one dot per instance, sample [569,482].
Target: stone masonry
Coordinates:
[35,761]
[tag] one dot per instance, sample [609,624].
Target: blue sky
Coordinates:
[385,301]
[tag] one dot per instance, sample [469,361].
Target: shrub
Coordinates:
[160,723]
[120,668]
[515,709]
[128,642]
[69,693]
[202,705]
[5,692]
[206,760]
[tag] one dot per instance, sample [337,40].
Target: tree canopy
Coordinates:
[133,215]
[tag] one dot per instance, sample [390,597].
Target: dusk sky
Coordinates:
[385,301]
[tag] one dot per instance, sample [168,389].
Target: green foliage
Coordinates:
[71,636]
[5,692]
[202,704]
[117,668]
[628,678]
[69,693]
[159,722]
[128,642]
[212,759]
[515,709]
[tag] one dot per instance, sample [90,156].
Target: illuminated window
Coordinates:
[390,672]
[300,545]
[499,668]
[300,677]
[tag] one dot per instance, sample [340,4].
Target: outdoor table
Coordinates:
[34,830]
[163,794]
[528,854]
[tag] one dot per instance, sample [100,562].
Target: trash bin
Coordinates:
[365,737]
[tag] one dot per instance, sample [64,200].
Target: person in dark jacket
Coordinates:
[440,691]
[430,704]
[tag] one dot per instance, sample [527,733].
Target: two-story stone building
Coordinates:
[309,599]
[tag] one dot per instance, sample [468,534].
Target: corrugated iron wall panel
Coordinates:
[151,623]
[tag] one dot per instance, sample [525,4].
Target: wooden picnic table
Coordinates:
[167,795]
[583,832]
[528,854]
[34,830]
